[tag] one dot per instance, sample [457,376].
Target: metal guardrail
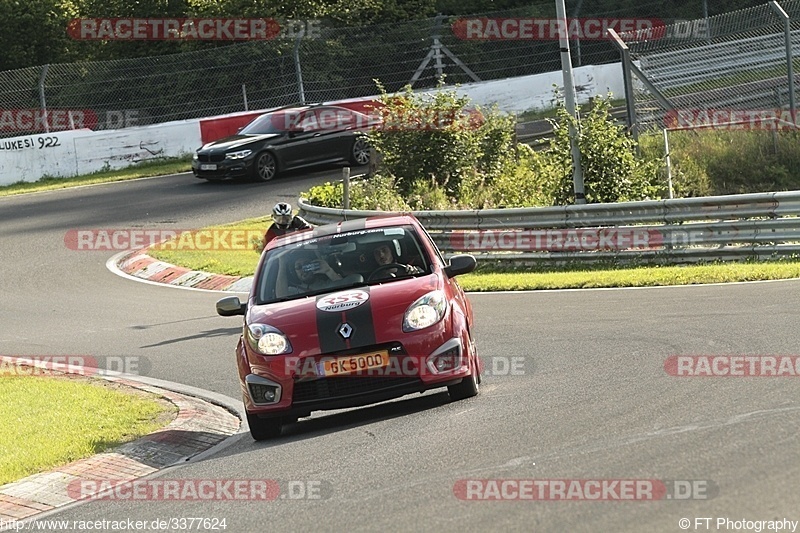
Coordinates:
[672,231]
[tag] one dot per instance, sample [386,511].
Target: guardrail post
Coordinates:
[346,188]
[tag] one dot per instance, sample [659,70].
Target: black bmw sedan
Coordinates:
[287,139]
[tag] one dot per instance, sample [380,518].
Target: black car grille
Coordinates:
[344,387]
[211,158]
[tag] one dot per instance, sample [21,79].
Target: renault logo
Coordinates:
[345,330]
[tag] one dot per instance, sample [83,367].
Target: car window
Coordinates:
[270,123]
[343,260]
[309,122]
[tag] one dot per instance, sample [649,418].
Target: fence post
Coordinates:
[346,188]
[42,100]
[630,102]
[569,102]
[787,33]
[244,96]
[297,68]
[669,163]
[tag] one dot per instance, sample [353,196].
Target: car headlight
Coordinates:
[267,340]
[194,156]
[241,154]
[425,312]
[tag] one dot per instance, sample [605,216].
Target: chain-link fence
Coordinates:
[338,63]
[730,68]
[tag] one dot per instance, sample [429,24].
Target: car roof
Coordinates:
[383,221]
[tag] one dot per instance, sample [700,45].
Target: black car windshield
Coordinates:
[342,260]
[278,122]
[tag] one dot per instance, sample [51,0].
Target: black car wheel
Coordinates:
[359,154]
[264,428]
[265,167]
[467,388]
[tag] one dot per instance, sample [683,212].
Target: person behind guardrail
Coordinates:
[282,223]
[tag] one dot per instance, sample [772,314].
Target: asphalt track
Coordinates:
[592,400]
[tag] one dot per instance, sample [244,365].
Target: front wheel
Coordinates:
[265,167]
[468,387]
[360,152]
[264,428]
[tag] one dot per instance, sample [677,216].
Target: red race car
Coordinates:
[350,314]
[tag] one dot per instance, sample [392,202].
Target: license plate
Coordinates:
[350,364]
[208,167]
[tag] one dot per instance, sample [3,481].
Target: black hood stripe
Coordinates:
[359,318]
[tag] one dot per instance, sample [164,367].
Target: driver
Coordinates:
[383,255]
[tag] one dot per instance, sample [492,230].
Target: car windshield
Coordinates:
[278,122]
[339,261]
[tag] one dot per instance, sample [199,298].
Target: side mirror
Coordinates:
[460,264]
[231,306]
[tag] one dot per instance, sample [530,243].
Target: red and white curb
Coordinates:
[199,426]
[138,264]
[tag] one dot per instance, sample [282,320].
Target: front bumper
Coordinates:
[225,169]
[295,387]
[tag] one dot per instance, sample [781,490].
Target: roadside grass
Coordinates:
[48,421]
[490,277]
[638,276]
[146,169]
[241,261]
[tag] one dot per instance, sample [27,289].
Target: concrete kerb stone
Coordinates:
[199,426]
[140,265]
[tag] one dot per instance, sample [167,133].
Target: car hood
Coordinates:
[375,314]
[237,141]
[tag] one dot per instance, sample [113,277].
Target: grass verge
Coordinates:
[48,421]
[147,169]
[494,278]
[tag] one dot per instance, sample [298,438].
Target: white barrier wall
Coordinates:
[536,92]
[72,153]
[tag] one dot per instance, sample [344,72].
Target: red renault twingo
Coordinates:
[350,314]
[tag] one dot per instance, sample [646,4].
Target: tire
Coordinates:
[264,428]
[360,152]
[468,387]
[265,167]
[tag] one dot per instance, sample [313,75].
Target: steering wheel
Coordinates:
[385,267]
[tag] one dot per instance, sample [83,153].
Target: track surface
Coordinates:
[594,401]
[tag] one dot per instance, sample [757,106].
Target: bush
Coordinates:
[612,171]
[716,162]
[377,193]
[436,139]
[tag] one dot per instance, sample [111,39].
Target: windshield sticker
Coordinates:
[342,301]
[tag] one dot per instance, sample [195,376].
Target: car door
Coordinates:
[310,144]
